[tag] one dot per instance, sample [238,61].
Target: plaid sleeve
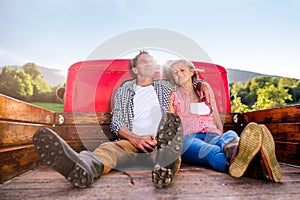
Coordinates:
[117,118]
[195,83]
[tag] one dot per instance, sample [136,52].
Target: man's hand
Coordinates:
[145,143]
[205,91]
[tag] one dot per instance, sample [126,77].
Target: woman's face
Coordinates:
[181,73]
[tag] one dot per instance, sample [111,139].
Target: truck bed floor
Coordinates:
[190,183]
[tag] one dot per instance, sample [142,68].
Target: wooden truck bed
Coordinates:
[23,176]
[190,183]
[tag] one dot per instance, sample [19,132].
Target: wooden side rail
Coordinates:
[19,121]
[85,130]
[284,124]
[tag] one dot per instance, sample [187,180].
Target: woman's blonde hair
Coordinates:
[186,63]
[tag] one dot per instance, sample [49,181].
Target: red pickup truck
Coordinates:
[85,123]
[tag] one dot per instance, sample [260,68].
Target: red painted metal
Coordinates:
[91,84]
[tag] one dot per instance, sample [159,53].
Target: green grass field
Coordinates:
[55,107]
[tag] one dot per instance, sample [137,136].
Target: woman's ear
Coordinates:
[192,72]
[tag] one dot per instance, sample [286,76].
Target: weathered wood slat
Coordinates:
[285,131]
[283,123]
[190,183]
[275,115]
[288,152]
[17,133]
[18,122]
[96,132]
[16,110]
[227,118]
[82,118]
[89,129]
[16,161]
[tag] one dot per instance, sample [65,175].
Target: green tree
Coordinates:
[271,97]
[264,92]
[42,91]
[27,84]
[16,83]
[237,106]
[291,82]
[293,88]
[32,69]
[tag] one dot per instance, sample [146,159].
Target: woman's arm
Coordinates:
[216,115]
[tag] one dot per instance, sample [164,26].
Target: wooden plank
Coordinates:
[16,110]
[227,118]
[290,114]
[263,116]
[82,118]
[288,152]
[285,131]
[96,132]
[89,136]
[17,160]
[275,115]
[89,129]
[17,133]
[190,183]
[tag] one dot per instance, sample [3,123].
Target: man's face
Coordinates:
[145,66]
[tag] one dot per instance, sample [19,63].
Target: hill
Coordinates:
[236,75]
[53,77]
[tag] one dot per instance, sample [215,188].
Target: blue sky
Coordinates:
[254,35]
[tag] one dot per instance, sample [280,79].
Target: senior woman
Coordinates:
[206,144]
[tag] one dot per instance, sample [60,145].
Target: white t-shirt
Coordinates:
[147,112]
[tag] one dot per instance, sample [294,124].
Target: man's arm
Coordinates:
[171,108]
[205,90]
[117,120]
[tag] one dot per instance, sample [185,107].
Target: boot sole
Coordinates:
[249,145]
[269,156]
[164,176]
[57,154]
[169,148]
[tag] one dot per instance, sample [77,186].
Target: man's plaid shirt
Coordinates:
[122,113]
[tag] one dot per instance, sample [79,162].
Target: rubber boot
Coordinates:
[79,169]
[265,165]
[257,169]
[169,148]
[249,145]
[231,149]
[269,156]
[93,163]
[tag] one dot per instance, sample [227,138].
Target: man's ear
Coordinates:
[134,70]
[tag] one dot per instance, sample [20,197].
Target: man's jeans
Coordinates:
[207,149]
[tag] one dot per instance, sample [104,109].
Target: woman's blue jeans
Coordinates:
[207,149]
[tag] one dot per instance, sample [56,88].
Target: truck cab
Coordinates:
[91,84]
